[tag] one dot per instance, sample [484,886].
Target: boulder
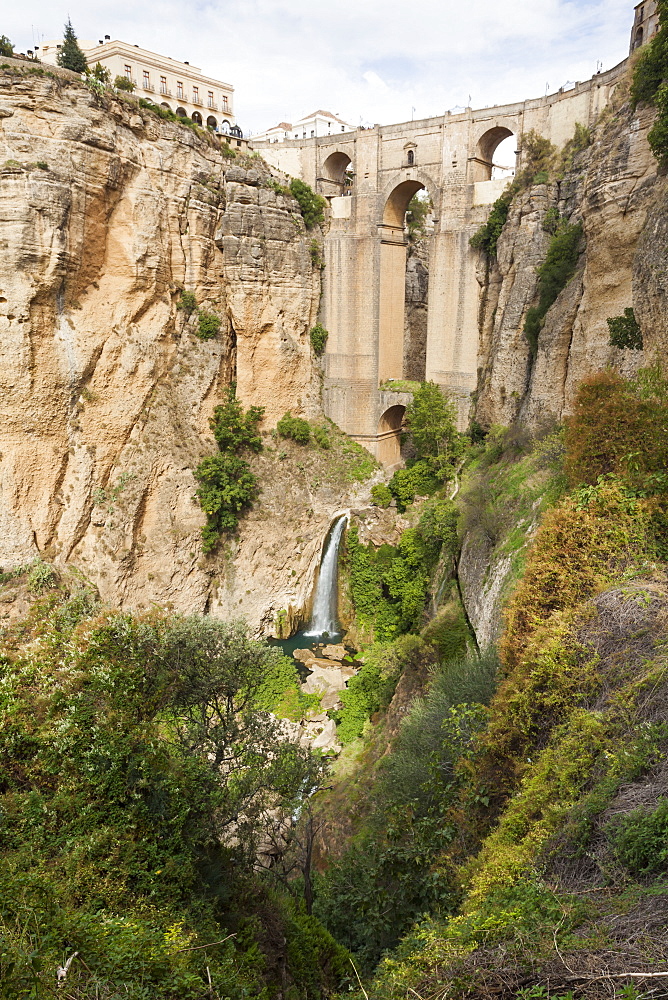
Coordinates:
[334,652]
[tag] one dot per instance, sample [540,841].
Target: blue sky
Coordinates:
[369,61]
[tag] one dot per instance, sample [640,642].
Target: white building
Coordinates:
[316,124]
[175,85]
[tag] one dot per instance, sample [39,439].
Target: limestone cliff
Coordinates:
[106,213]
[612,189]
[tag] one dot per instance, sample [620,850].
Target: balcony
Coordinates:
[197,101]
[165,92]
[212,106]
[149,87]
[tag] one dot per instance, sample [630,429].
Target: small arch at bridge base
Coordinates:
[388,446]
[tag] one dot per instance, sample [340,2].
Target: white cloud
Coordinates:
[371,61]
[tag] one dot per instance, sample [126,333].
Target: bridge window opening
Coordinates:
[418,227]
[338,176]
[494,156]
[389,436]
[410,157]
[197,118]
[404,283]
[504,159]
[638,39]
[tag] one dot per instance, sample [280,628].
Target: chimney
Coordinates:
[99,41]
[107,38]
[187,62]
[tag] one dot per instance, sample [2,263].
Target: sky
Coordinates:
[369,61]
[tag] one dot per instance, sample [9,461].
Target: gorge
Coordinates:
[480,806]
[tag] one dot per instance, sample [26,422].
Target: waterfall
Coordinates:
[323,617]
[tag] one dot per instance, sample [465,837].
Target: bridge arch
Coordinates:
[392,344]
[482,163]
[389,435]
[336,175]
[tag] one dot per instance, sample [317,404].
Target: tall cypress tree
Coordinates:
[70,55]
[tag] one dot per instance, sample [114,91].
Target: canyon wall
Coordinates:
[613,190]
[106,213]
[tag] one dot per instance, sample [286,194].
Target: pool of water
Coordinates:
[314,643]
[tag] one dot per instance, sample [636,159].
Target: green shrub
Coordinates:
[553,275]
[640,839]
[415,480]
[208,326]
[227,485]
[122,83]
[41,577]
[6,47]
[294,427]
[227,488]
[625,332]
[316,255]
[487,236]
[235,429]
[381,495]
[311,205]
[318,337]
[321,437]
[187,302]
[431,423]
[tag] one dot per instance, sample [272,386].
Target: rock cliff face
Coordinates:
[612,189]
[106,213]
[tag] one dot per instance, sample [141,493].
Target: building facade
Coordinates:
[313,126]
[175,85]
[645,24]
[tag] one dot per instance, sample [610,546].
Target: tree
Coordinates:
[70,55]
[122,83]
[100,73]
[6,47]
[431,422]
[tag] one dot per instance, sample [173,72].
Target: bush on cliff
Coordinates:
[431,424]
[553,275]
[227,485]
[311,205]
[296,428]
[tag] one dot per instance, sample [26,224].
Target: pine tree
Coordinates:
[70,55]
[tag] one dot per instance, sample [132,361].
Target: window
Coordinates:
[128,72]
[179,89]
[195,95]
[410,157]
[209,98]
[163,84]
[312,133]
[343,128]
[146,80]
[225,102]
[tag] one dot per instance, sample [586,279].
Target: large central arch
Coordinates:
[392,299]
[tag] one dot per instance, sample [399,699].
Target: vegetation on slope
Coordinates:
[554,838]
[141,774]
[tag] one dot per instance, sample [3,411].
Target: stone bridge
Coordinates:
[363,303]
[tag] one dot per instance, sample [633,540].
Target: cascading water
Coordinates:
[323,617]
